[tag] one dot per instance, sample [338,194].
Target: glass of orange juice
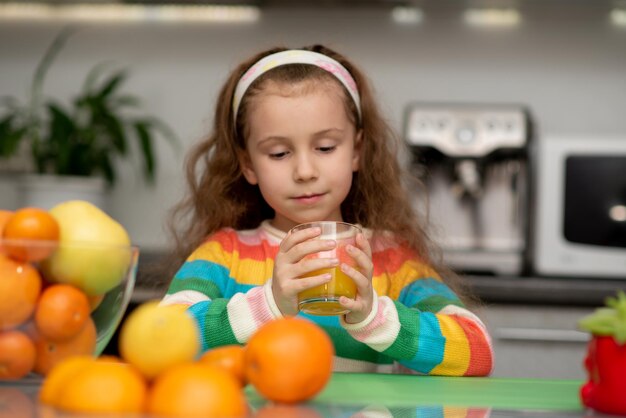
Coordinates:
[324,299]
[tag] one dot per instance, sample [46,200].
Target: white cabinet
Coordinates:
[537,341]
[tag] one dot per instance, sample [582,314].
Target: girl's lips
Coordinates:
[308,200]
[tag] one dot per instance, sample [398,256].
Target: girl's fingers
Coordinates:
[362,282]
[303,249]
[298,285]
[350,304]
[307,266]
[295,238]
[364,245]
[363,260]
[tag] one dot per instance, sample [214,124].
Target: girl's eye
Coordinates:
[278,155]
[327,149]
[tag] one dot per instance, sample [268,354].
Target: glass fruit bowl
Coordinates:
[60,299]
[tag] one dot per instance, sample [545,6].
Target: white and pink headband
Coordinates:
[295,56]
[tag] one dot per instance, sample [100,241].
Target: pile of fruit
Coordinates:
[48,284]
[161,371]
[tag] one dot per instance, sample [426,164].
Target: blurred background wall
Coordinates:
[567,64]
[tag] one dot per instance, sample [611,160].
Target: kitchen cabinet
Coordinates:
[537,341]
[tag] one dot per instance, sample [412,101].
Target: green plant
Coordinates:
[86,138]
[609,320]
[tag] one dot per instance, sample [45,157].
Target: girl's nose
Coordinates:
[305,168]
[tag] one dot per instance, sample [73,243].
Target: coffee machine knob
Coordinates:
[465,134]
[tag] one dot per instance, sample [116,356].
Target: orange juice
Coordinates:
[324,299]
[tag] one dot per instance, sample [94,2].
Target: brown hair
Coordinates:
[219,195]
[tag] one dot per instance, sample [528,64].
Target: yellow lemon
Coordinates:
[154,338]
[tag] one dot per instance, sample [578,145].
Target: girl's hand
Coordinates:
[361,306]
[290,265]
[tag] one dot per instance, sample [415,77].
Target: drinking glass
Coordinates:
[324,299]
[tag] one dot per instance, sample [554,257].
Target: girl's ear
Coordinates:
[356,157]
[246,168]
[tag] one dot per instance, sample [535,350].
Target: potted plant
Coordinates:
[82,141]
[605,362]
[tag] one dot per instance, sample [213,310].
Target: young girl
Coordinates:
[297,137]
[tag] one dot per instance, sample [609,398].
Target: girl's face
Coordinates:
[301,150]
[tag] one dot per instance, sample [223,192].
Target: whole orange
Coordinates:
[59,375]
[4,217]
[104,386]
[31,224]
[289,360]
[62,311]
[17,355]
[49,353]
[230,358]
[196,390]
[20,286]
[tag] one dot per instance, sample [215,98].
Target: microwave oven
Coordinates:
[579,228]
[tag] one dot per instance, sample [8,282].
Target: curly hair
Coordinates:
[219,195]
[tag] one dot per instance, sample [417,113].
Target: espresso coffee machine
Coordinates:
[473,160]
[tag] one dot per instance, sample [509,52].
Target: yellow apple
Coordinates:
[94,252]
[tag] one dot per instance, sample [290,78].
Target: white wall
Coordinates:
[569,69]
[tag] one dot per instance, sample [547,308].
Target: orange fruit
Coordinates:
[59,375]
[95,301]
[288,411]
[14,403]
[32,224]
[289,360]
[49,353]
[20,285]
[230,358]
[62,311]
[17,355]
[196,390]
[4,217]
[103,386]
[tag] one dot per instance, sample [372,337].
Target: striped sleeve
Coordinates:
[426,329]
[226,312]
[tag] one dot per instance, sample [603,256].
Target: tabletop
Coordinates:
[362,395]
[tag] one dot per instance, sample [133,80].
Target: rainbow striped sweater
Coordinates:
[417,324]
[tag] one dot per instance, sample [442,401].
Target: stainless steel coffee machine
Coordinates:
[473,160]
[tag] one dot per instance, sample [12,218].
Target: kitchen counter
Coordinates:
[152,284]
[384,396]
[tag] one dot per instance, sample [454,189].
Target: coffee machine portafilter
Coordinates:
[473,160]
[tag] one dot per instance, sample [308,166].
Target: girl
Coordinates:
[297,137]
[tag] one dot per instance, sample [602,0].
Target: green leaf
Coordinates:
[10,136]
[105,166]
[115,129]
[145,142]
[92,77]
[125,100]
[44,65]
[620,333]
[114,81]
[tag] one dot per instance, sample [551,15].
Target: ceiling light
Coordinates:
[407,15]
[128,12]
[489,17]
[618,17]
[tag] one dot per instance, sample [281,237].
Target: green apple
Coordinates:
[94,252]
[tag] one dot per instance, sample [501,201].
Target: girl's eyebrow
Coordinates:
[271,138]
[328,131]
[316,135]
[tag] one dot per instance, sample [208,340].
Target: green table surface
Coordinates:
[398,396]
[407,390]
